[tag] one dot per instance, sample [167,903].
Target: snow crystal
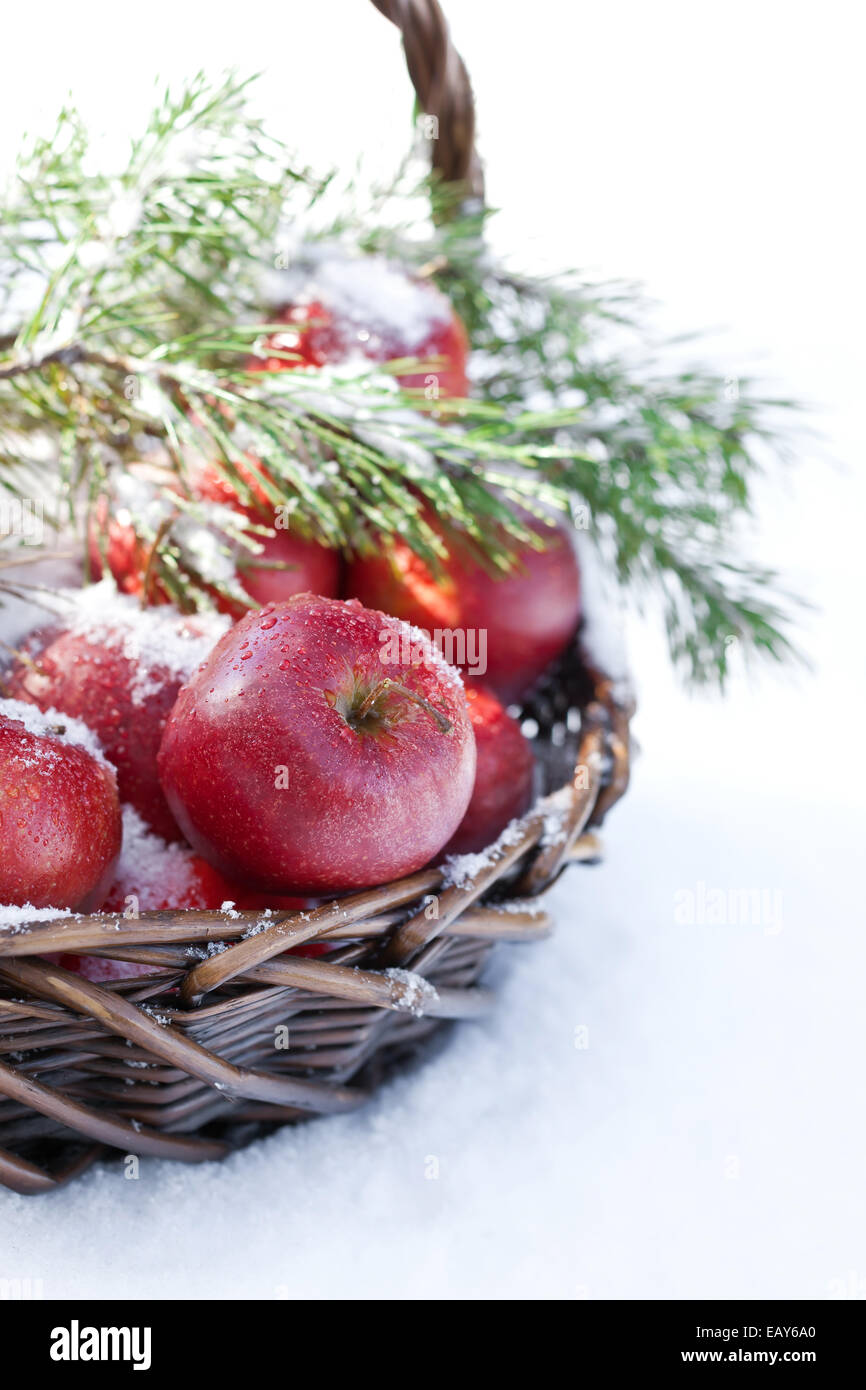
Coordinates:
[258,927]
[557,807]
[229,909]
[529,907]
[411,991]
[136,497]
[205,550]
[56,725]
[162,1019]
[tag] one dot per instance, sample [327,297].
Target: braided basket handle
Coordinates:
[442,87]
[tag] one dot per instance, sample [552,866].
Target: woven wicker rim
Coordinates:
[404,970]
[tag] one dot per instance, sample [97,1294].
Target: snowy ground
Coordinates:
[710,1138]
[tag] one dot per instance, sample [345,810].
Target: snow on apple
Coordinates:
[118,668]
[338,307]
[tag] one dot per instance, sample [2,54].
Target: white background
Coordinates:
[710,1141]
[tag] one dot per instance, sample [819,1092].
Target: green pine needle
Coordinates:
[130,304]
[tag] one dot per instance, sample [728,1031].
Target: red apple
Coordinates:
[59,812]
[321,748]
[503,775]
[118,668]
[512,626]
[285,562]
[288,562]
[125,554]
[342,308]
[112,538]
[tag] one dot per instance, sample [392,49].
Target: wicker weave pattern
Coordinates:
[194,1059]
[185,1063]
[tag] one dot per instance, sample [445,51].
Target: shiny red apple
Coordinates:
[118,668]
[510,627]
[59,811]
[341,308]
[322,747]
[112,536]
[504,774]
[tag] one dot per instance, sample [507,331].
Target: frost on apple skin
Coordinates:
[52,724]
[163,644]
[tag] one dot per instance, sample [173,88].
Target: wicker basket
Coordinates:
[228,1038]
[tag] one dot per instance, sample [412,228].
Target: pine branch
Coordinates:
[129,307]
[664,460]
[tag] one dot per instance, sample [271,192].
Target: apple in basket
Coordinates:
[321,748]
[283,563]
[59,812]
[288,563]
[118,668]
[513,626]
[342,309]
[504,774]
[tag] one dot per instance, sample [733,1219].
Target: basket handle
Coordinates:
[442,87]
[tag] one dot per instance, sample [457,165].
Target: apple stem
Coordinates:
[387,684]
